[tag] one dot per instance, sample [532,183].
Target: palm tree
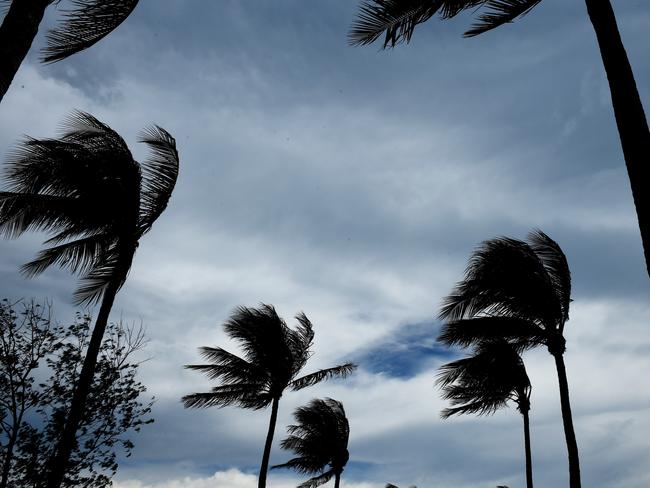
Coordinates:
[485,382]
[396,20]
[519,291]
[83,25]
[274,355]
[320,440]
[97,202]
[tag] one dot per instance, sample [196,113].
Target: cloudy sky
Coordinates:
[352,184]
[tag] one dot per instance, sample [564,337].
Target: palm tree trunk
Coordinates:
[267,446]
[17,32]
[337,480]
[567,420]
[529,458]
[59,461]
[628,111]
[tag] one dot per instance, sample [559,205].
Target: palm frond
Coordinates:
[394,19]
[228,367]
[20,212]
[79,256]
[318,480]
[520,333]
[242,394]
[160,173]
[84,25]
[556,265]
[500,12]
[96,281]
[341,371]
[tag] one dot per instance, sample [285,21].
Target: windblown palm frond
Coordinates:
[159,175]
[500,12]
[86,23]
[320,440]
[311,379]
[396,20]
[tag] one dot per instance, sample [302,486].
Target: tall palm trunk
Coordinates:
[337,480]
[567,420]
[59,462]
[628,111]
[529,458]
[264,468]
[17,32]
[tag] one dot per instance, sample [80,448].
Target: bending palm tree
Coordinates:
[320,439]
[97,201]
[85,24]
[274,355]
[484,382]
[396,20]
[520,292]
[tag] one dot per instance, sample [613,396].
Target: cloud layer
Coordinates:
[353,184]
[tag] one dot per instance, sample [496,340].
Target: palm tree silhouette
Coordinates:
[274,355]
[320,440]
[485,382]
[518,291]
[396,20]
[87,22]
[97,201]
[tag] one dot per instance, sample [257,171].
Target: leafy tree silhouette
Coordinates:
[320,440]
[88,191]
[396,21]
[87,22]
[518,291]
[274,355]
[485,382]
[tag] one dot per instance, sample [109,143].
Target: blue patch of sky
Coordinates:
[407,352]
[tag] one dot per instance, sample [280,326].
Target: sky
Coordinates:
[353,184]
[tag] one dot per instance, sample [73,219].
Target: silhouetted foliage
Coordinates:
[396,21]
[518,291]
[320,441]
[84,23]
[96,201]
[274,355]
[39,365]
[484,382]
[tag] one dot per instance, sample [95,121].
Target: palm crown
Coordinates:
[485,381]
[512,289]
[320,439]
[88,191]
[274,355]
